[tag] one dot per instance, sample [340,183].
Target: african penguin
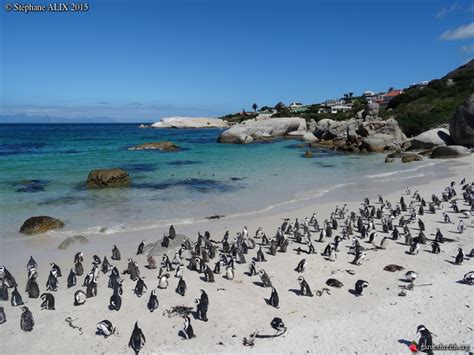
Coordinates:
[359,287]
[304,287]
[16,299]
[140,287]
[105,328]
[152,301]
[181,288]
[137,339]
[48,301]
[274,299]
[26,320]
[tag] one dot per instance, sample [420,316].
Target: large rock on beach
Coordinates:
[190,122]
[451,151]
[72,241]
[371,111]
[101,178]
[252,130]
[40,224]
[164,146]
[433,138]
[461,126]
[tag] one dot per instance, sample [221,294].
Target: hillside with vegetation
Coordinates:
[417,109]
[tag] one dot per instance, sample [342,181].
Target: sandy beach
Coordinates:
[378,322]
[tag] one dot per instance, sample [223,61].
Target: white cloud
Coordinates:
[462,32]
[444,11]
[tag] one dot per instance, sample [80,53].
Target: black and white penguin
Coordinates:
[414,248]
[202,306]
[179,271]
[140,248]
[421,225]
[7,278]
[359,256]
[71,279]
[96,260]
[115,302]
[266,282]
[106,266]
[469,278]
[26,320]
[79,298]
[208,274]
[137,340]
[79,257]
[359,287]
[411,276]
[32,288]
[252,269]
[187,332]
[435,248]
[140,287]
[153,303]
[48,301]
[384,243]
[274,299]
[3,317]
[91,290]
[78,269]
[115,253]
[32,264]
[372,237]
[459,257]
[301,266]
[260,255]
[105,328]
[165,242]
[229,273]
[16,299]
[172,232]
[181,288]
[56,270]
[163,281]
[304,287]
[426,340]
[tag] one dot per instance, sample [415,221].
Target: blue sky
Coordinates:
[142,60]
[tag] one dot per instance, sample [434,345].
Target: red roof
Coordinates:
[393,93]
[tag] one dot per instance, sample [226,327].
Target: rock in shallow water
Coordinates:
[40,224]
[71,241]
[164,146]
[101,178]
[451,151]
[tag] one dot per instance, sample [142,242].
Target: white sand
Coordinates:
[379,322]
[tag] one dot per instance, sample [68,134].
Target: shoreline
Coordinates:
[315,324]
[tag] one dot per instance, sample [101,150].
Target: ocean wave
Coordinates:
[390,173]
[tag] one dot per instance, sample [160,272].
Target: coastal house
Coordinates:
[295,105]
[385,98]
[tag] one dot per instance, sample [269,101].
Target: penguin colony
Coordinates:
[360,233]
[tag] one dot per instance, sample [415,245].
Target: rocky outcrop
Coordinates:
[433,138]
[357,134]
[371,111]
[252,130]
[190,122]
[461,127]
[406,157]
[303,135]
[40,224]
[308,154]
[72,241]
[451,151]
[164,146]
[101,178]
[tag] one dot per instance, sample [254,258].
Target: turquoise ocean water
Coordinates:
[44,168]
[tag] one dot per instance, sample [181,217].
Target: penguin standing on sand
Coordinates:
[78,269]
[229,273]
[208,274]
[359,287]
[32,288]
[274,299]
[152,301]
[137,340]
[7,278]
[252,269]
[384,243]
[414,248]
[48,301]
[151,262]
[105,328]
[411,276]
[140,287]
[115,253]
[202,306]
[181,288]
[79,298]
[115,302]
[79,257]
[71,279]
[91,290]
[301,266]
[141,246]
[26,320]
[106,266]
[260,255]
[426,340]
[3,292]
[304,287]
[187,332]
[435,248]
[56,270]
[32,264]
[459,257]
[359,256]
[265,278]
[16,299]
[163,283]
[96,260]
